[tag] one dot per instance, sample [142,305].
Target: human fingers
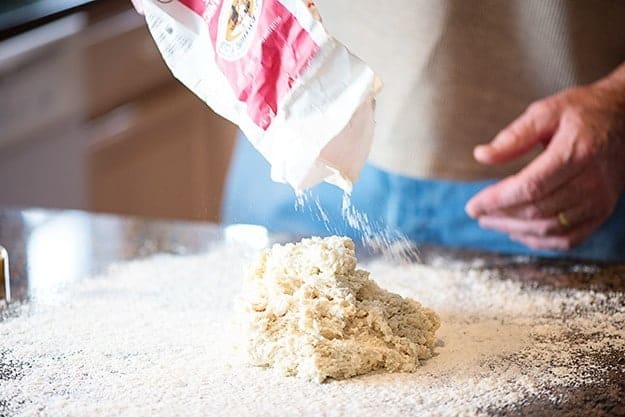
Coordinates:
[536,125]
[559,224]
[549,170]
[561,242]
[568,195]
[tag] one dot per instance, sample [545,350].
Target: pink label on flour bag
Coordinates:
[260,47]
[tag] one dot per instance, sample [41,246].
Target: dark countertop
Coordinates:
[80,244]
[87,243]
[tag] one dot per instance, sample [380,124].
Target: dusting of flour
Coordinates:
[153,337]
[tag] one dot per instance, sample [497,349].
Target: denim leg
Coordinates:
[427,211]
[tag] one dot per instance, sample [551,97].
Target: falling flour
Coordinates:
[377,237]
[154,337]
[310,312]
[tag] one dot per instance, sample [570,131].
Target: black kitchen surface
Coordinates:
[79,244]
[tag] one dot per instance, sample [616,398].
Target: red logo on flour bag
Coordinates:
[249,37]
[237,28]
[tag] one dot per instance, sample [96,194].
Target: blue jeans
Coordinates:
[426,211]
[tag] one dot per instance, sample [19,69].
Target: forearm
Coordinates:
[615,82]
[613,88]
[618,75]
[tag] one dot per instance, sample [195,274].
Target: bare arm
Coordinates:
[571,187]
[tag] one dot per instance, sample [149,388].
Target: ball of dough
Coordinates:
[310,312]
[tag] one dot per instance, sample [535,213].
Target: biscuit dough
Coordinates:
[309,312]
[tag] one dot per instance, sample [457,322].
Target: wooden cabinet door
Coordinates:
[121,62]
[164,155]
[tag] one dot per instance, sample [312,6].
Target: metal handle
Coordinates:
[5,284]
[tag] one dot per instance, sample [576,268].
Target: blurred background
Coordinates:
[91,118]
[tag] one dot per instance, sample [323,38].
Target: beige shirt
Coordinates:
[456,72]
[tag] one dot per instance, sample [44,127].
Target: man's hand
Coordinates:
[573,185]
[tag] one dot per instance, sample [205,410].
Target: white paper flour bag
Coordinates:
[303,100]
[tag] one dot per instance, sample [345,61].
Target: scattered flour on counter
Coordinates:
[310,312]
[154,337]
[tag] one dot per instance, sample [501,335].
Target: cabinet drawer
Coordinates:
[122,62]
[41,75]
[165,155]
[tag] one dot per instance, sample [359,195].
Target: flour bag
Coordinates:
[303,100]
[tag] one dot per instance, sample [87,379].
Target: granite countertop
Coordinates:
[86,243]
[79,244]
[89,242]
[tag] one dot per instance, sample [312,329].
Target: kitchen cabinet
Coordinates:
[154,148]
[162,155]
[42,145]
[91,118]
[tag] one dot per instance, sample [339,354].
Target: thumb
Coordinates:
[537,124]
